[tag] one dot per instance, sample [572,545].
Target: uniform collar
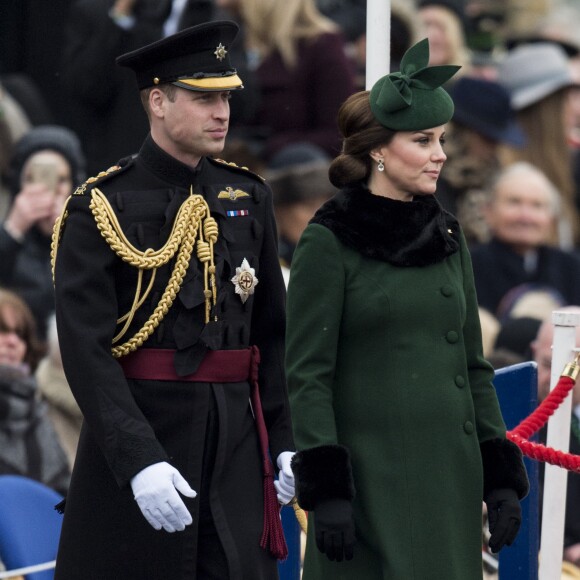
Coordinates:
[166,166]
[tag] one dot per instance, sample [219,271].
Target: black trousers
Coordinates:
[211,559]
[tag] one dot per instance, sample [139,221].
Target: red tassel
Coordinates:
[273,534]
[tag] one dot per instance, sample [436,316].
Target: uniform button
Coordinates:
[459,381]
[447,290]
[468,427]
[452,337]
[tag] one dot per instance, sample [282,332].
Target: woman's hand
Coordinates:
[34,203]
[505,517]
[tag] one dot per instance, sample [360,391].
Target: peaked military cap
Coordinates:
[413,99]
[196,58]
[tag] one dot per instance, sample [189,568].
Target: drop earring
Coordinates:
[381,165]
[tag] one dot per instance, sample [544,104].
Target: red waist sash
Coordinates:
[218,366]
[222,366]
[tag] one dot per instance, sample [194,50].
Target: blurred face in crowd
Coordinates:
[572,106]
[292,219]
[481,146]
[572,115]
[443,29]
[189,124]
[542,351]
[12,343]
[413,161]
[56,178]
[521,211]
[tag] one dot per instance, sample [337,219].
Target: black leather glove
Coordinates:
[505,517]
[334,527]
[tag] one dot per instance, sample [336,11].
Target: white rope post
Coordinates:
[378,43]
[556,478]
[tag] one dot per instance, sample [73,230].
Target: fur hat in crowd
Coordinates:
[51,137]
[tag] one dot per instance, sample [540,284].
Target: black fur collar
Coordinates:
[415,233]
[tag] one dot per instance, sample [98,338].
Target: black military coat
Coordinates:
[130,424]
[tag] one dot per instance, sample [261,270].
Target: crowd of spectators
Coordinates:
[512,176]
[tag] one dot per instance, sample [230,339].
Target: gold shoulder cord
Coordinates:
[193,212]
[56,233]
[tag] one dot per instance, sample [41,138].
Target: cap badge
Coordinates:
[220,52]
[245,280]
[232,194]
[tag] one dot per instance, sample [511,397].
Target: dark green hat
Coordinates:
[196,58]
[413,99]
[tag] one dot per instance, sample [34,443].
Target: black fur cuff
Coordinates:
[503,467]
[322,473]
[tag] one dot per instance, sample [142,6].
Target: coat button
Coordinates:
[459,381]
[452,337]
[468,427]
[447,291]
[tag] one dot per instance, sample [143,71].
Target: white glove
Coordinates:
[285,483]
[154,489]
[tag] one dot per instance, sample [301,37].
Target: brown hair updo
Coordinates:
[361,133]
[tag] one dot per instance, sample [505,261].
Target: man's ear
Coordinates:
[156,102]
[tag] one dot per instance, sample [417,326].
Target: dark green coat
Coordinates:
[387,360]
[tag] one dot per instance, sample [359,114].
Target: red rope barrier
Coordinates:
[520,434]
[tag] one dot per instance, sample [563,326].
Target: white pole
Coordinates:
[558,437]
[378,43]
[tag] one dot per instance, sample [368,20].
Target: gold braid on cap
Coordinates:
[193,213]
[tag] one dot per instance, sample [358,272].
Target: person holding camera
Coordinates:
[47,162]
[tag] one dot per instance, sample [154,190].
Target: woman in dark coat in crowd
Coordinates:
[29,445]
[301,75]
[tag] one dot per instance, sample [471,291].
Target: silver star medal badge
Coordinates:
[245,280]
[220,52]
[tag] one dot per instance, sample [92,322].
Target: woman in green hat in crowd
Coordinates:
[396,419]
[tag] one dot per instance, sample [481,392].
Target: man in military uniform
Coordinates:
[168,293]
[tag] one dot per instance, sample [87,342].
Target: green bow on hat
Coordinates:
[413,99]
